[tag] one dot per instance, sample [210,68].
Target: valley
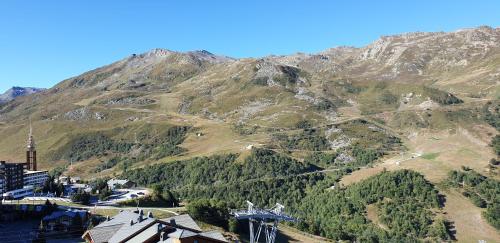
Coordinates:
[320,133]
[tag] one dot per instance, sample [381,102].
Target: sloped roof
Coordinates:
[127,230]
[103,234]
[180,233]
[146,235]
[214,235]
[120,218]
[118,228]
[184,220]
[183,233]
[70,213]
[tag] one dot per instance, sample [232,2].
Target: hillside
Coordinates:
[426,102]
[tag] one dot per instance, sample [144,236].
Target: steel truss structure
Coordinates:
[263,220]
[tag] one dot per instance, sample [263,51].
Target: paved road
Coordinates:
[168,210]
[123,208]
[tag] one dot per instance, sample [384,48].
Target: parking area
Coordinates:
[121,195]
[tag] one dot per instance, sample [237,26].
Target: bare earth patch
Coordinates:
[372,214]
[218,137]
[450,150]
[293,235]
[467,218]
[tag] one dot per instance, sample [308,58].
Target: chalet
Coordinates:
[134,226]
[65,220]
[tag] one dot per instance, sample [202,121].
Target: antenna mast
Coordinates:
[31,150]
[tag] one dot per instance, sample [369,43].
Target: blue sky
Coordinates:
[44,42]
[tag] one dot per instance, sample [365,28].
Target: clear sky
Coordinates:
[44,42]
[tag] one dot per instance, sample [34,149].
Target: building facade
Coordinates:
[13,174]
[35,178]
[18,193]
[15,179]
[2,184]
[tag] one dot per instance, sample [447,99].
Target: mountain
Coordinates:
[384,80]
[14,92]
[427,102]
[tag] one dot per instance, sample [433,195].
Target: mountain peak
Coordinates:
[208,56]
[159,52]
[17,91]
[204,52]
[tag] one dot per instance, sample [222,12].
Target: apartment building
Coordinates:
[13,174]
[35,178]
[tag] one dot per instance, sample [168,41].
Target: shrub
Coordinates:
[477,200]
[388,98]
[441,97]
[324,104]
[495,143]
[81,197]
[209,211]
[303,124]
[262,81]
[492,214]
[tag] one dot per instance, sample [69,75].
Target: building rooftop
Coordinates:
[129,229]
[138,227]
[120,227]
[12,163]
[183,220]
[70,213]
[104,233]
[180,233]
[213,235]
[27,172]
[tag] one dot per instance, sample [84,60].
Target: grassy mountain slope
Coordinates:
[419,101]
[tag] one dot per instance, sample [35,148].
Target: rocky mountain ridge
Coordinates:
[409,55]
[417,72]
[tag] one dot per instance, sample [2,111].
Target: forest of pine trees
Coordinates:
[404,198]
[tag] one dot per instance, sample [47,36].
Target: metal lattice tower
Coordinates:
[265,219]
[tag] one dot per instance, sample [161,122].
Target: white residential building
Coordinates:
[18,193]
[35,178]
